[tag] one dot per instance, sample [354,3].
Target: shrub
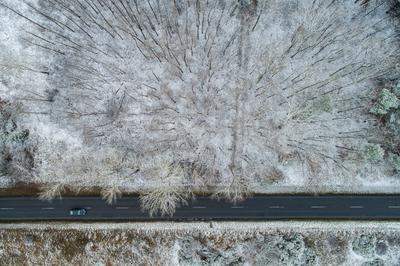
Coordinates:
[396,88]
[15,152]
[272,176]
[387,107]
[317,106]
[310,257]
[394,121]
[291,249]
[375,262]
[18,136]
[324,104]
[364,245]
[381,247]
[373,152]
[394,159]
[303,112]
[386,101]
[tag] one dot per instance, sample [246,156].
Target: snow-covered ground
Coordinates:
[219,243]
[265,96]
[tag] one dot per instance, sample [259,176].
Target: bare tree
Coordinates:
[52,191]
[111,194]
[168,193]
[163,200]
[238,190]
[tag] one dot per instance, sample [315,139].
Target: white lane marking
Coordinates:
[122,208]
[88,208]
[394,207]
[199,207]
[6,209]
[237,207]
[318,207]
[356,207]
[276,207]
[48,208]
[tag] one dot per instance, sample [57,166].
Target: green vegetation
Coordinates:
[373,152]
[375,262]
[386,101]
[14,147]
[394,121]
[396,88]
[387,109]
[315,107]
[394,159]
[292,250]
[323,104]
[364,245]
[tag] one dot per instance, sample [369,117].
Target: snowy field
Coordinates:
[173,97]
[267,243]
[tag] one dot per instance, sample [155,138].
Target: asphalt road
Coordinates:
[257,208]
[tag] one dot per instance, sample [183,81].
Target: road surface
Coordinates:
[257,208]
